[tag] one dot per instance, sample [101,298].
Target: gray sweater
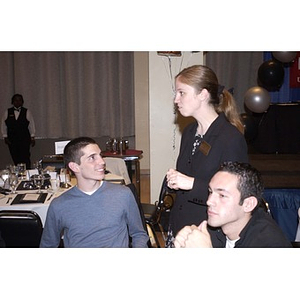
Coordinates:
[104,219]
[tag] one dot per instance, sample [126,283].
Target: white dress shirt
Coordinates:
[29,117]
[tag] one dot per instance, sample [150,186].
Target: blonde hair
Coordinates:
[202,77]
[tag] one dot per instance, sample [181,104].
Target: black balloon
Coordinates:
[257,99]
[284,57]
[271,75]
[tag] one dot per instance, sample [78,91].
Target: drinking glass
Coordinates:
[13,182]
[38,165]
[38,180]
[55,184]
[5,174]
[14,170]
[65,179]
[22,170]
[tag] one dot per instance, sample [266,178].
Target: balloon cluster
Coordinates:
[270,78]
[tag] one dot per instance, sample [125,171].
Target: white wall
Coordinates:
[141,91]
[164,132]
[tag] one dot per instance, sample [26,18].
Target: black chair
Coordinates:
[265,206]
[139,204]
[20,228]
[153,212]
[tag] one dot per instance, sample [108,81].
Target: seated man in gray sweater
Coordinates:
[94,213]
[235,214]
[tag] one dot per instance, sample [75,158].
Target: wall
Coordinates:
[156,132]
[164,127]
[141,86]
[42,147]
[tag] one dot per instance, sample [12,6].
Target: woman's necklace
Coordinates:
[197,141]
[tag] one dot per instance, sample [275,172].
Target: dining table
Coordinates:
[29,199]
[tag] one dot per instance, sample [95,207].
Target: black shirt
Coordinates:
[260,232]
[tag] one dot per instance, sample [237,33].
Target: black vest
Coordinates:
[17,129]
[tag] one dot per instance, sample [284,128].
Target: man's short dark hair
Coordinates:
[73,152]
[250,181]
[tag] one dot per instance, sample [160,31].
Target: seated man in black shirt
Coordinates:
[236,218]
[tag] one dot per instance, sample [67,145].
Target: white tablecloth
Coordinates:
[42,208]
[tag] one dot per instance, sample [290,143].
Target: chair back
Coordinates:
[297,239]
[165,200]
[20,228]
[117,166]
[138,202]
[132,187]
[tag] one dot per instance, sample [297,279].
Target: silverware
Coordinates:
[9,198]
[50,197]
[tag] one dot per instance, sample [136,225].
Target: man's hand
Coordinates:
[193,237]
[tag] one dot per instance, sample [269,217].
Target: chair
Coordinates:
[297,239]
[139,204]
[117,166]
[265,206]
[20,228]
[56,162]
[153,212]
[296,243]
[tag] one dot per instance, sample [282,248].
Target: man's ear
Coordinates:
[250,203]
[73,166]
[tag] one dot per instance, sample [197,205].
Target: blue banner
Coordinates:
[289,92]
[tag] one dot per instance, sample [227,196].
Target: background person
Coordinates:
[235,210]
[18,131]
[215,137]
[94,213]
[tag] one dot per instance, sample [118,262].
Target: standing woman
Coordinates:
[215,137]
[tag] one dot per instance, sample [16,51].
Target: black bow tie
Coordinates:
[17,109]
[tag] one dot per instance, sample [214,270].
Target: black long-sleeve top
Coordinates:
[260,232]
[222,142]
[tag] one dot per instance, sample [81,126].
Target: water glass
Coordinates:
[38,165]
[55,184]
[38,180]
[22,170]
[5,174]
[15,170]
[13,182]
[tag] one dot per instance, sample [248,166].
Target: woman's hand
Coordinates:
[177,180]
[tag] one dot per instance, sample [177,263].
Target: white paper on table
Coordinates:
[31,197]
[60,146]
[31,172]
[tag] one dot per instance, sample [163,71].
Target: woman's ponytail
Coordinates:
[228,106]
